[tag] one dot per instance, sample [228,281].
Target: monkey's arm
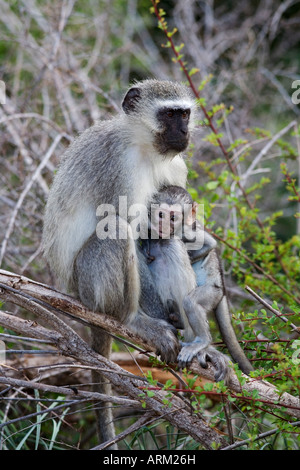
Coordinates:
[201,245]
[196,306]
[198,328]
[106,284]
[150,301]
[209,278]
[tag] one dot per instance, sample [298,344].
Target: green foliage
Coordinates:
[254,254]
[251,204]
[39,435]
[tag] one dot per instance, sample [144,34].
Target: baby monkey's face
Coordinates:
[167,220]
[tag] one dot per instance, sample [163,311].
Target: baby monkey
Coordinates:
[185,266]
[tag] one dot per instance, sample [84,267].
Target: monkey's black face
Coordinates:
[175,135]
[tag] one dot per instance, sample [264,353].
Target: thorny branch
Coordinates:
[46,303]
[272,309]
[70,344]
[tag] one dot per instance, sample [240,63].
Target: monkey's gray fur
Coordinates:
[131,155]
[211,294]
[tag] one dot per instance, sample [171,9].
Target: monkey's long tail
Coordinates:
[101,343]
[223,318]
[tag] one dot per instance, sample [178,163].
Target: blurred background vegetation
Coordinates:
[67,63]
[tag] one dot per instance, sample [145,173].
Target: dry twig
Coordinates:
[70,344]
[43,302]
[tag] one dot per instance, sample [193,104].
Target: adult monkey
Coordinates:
[132,155]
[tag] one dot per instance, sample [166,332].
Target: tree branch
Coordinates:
[43,301]
[71,344]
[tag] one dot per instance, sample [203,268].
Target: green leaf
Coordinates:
[212,185]
[193,71]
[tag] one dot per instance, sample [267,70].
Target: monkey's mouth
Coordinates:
[178,145]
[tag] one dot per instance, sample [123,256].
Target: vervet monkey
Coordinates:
[131,155]
[198,290]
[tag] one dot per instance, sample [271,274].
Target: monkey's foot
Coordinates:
[159,333]
[189,351]
[204,354]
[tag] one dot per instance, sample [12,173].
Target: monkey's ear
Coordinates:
[132,97]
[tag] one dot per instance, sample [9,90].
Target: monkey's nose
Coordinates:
[184,132]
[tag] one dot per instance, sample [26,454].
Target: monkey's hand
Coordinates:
[158,332]
[204,354]
[145,248]
[173,314]
[190,350]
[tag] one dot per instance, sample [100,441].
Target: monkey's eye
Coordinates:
[170,113]
[185,115]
